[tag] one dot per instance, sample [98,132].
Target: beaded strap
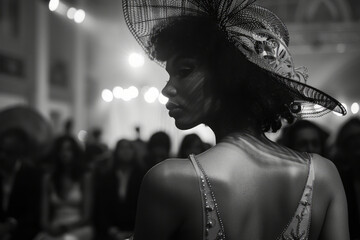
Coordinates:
[214,227]
[299,226]
[200,178]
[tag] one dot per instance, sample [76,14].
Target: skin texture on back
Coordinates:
[257,194]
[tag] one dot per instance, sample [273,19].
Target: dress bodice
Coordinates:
[297,228]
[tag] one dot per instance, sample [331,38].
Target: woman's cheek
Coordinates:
[208,104]
[195,87]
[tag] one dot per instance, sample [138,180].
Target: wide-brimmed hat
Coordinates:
[256,31]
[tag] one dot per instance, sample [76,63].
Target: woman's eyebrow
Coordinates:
[180,59]
[186,60]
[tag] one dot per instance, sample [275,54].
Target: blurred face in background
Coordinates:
[125,152]
[307,140]
[66,152]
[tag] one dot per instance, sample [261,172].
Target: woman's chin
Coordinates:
[182,125]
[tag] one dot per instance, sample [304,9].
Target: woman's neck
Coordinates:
[224,128]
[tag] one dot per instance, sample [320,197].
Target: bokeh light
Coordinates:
[71,13]
[151,95]
[136,60]
[53,5]
[133,91]
[82,135]
[127,95]
[355,108]
[163,99]
[118,92]
[79,16]
[107,95]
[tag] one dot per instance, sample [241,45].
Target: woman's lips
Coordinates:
[174,109]
[170,106]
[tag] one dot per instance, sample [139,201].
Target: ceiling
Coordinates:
[329,40]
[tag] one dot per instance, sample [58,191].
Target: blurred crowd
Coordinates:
[74,190]
[86,190]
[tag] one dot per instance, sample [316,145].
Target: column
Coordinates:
[79,79]
[41,85]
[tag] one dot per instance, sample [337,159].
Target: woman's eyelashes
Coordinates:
[184,71]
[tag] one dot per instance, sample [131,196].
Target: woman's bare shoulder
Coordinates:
[171,167]
[326,175]
[324,167]
[170,176]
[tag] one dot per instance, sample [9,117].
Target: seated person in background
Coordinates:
[305,136]
[191,144]
[67,194]
[116,193]
[20,188]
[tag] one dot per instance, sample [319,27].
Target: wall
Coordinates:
[16,50]
[42,64]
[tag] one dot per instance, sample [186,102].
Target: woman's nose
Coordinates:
[169,90]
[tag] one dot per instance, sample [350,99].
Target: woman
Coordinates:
[67,194]
[116,194]
[230,69]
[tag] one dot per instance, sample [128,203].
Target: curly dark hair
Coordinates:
[242,87]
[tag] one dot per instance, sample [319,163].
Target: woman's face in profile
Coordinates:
[187,104]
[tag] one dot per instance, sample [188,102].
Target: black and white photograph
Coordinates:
[179,119]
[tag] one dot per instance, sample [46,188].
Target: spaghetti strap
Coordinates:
[299,226]
[213,228]
[199,177]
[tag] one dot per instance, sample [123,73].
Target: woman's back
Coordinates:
[257,184]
